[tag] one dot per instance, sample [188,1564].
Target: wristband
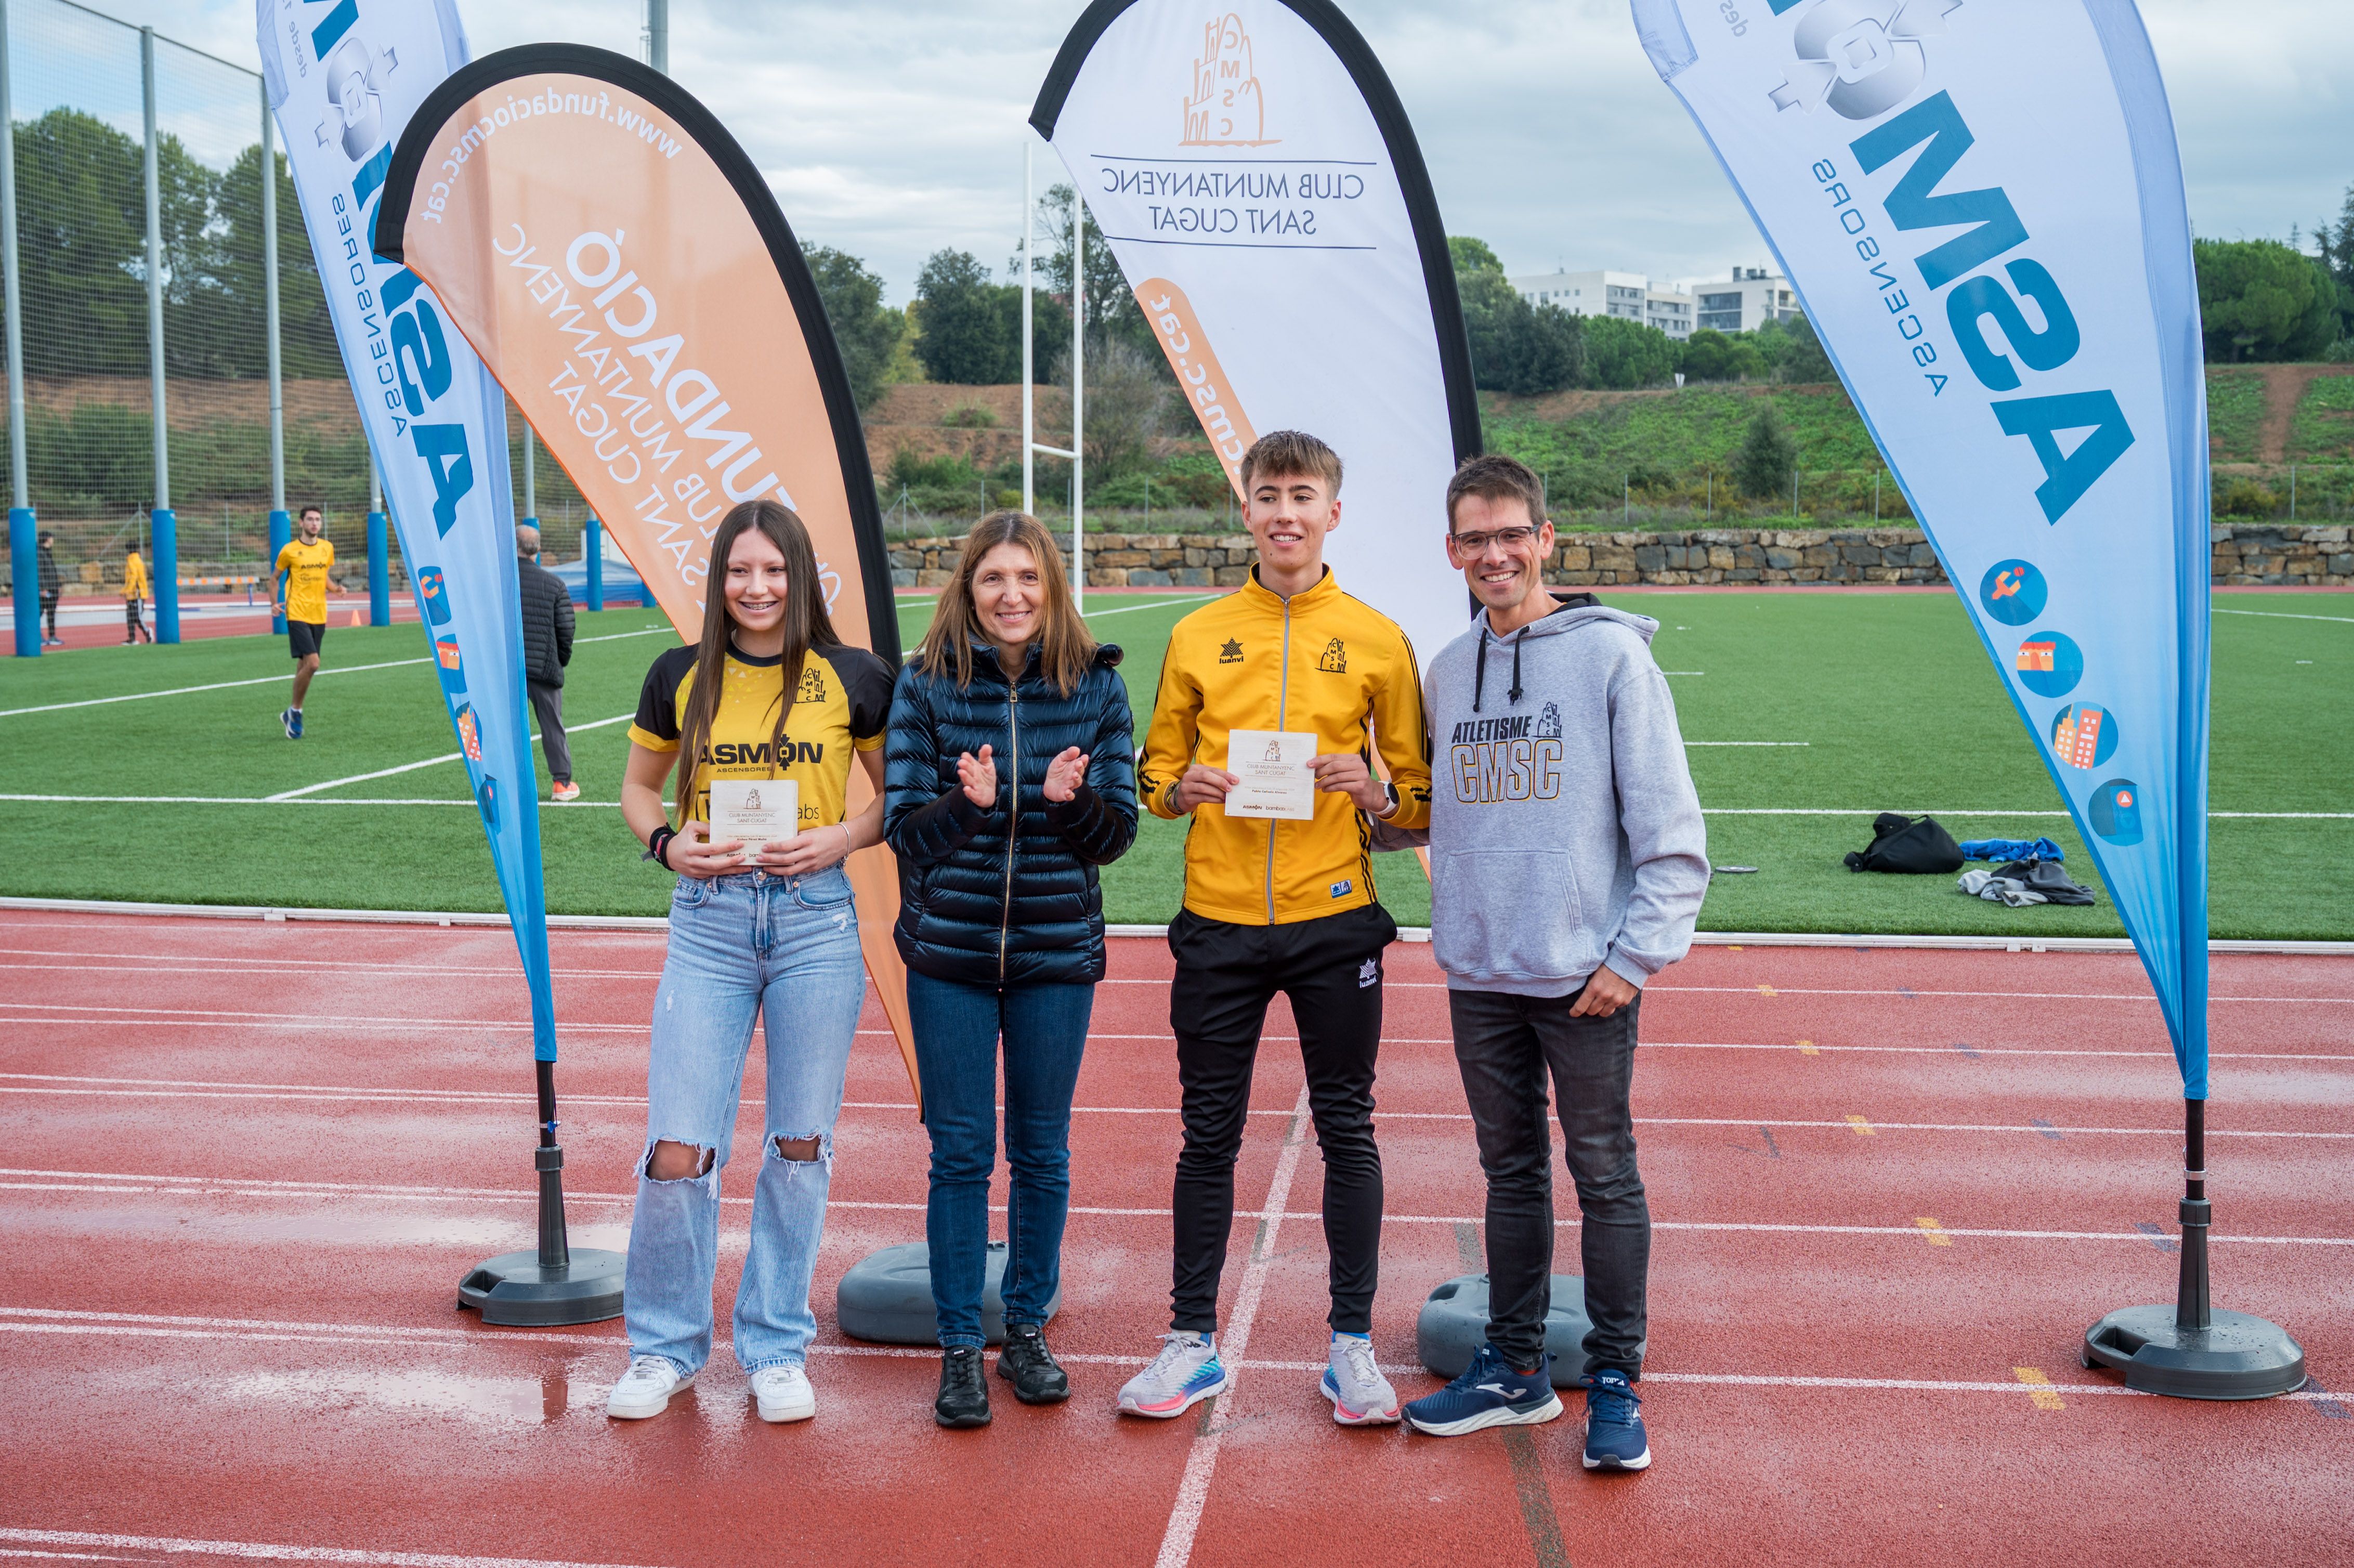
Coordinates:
[658,846]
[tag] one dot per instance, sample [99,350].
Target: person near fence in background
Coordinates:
[135,585]
[303,573]
[768,692]
[1568,859]
[1009,776]
[546,649]
[53,584]
[1275,904]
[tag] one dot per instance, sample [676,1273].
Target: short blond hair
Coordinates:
[1288,454]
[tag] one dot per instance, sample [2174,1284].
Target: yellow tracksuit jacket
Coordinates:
[1323,662]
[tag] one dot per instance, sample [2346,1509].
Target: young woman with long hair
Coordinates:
[1011,778]
[768,692]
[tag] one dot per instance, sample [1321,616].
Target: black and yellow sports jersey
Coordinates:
[1320,661]
[306,568]
[843,703]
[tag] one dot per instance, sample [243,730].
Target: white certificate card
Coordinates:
[1273,767]
[758,810]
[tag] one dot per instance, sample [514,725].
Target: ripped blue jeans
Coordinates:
[741,947]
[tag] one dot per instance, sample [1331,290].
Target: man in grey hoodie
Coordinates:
[1568,859]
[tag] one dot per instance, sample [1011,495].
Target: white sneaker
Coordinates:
[1360,1395]
[645,1389]
[1185,1372]
[784,1393]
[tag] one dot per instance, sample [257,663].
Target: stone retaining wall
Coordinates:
[2244,554]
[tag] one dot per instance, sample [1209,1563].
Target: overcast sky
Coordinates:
[894,128]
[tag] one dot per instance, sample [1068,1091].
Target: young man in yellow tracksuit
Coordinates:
[1281,905]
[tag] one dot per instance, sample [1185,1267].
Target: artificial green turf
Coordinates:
[1891,693]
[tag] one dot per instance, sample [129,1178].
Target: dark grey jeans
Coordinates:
[547,702]
[1505,1046]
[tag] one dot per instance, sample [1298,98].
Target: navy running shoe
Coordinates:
[292,720]
[1613,1424]
[1488,1393]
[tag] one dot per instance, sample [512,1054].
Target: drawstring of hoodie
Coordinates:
[1480,669]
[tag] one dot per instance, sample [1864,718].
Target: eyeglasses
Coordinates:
[1511,539]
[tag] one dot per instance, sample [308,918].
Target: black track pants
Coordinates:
[1226,975]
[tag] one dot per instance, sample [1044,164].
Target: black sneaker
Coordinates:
[964,1398]
[1029,1366]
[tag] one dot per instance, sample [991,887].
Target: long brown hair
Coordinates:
[1064,646]
[806,628]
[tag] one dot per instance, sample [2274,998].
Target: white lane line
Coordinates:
[2282,615]
[428,762]
[240,1329]
[274,680]
[265,1552]
[1909,992]
[490,1101]
[248,1187]
[1202,1459]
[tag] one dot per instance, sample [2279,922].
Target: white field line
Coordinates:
[245,1329]
[1160,604]
[264,1551]
[428,762]
[1202,1459]
[1797,743]
[275,680]
[1845,812]
[2281,615]
[131,1184]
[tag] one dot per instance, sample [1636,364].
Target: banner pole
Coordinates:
[2191,1306]
[1078,395]
[1029,380]
[160,517]
[23,533]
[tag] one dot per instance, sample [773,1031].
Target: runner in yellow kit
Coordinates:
[303,572]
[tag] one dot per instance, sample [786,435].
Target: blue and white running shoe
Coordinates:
[1185,1372]
[291,719]
[1613,1424]
[1488,1393]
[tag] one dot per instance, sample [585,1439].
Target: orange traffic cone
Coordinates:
[355,619]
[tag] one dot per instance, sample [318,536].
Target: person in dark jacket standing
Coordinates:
[53,584]
[1009,776]
[546,649]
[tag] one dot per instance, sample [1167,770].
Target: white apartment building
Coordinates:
[1746,301]
[1627,295]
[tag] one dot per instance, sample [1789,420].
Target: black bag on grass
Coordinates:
[1914,844]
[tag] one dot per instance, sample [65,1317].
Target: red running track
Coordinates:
[246,1165]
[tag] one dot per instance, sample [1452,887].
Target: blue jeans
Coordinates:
[740,947]
[957,1028]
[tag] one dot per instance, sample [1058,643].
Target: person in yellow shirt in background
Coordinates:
[135,584]
[304,572]
[1281,906]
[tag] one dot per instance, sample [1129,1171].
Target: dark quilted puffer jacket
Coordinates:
[996,896]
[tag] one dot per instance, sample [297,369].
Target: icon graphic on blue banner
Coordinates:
[434,594]
[469,734]
[487,798]
[2013,592]
[2085,735]
[451,668]
[2115,812]
[2048,664]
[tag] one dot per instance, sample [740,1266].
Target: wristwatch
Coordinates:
[1389,790]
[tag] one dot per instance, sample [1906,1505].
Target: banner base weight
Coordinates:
[515,1290]
[2235,1357]
[1453,1325]
[886,1298]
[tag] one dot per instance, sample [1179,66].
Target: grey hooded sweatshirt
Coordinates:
[1565,832]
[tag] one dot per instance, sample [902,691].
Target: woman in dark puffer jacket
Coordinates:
[1003,796]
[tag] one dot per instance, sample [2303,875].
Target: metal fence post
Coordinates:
[379,552]
[530,476]
[165,526]
[24,534]
[281,526]
[658,35]
[1029,390]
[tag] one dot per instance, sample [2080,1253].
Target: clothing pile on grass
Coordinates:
[2026,871]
